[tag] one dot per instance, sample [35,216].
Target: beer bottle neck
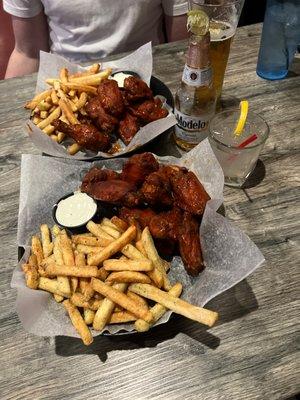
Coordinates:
[198,56]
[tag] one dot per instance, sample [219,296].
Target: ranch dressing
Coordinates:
[120,77]
[75,210]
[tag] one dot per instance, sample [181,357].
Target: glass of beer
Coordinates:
[224,16]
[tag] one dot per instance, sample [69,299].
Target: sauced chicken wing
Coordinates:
[112,191]
[111,97]
[136,89]
[128,128]
[165,225]
[138,167]
[106,122]
[157,190]
[86,135]
[189,193]
[189,244]
[143,217]
[149,111]
[96,175]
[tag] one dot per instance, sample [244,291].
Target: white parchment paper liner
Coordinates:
[229,254]
[140,61]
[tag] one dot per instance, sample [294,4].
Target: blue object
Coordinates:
[280,38]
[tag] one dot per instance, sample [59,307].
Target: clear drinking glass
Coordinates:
[236,157]
[224,17]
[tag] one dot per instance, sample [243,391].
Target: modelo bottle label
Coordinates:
[192,129]
[196,77]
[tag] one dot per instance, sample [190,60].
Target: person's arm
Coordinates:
[31,36]
[176,27]
[6,40]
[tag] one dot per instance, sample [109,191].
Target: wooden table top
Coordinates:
[251,353]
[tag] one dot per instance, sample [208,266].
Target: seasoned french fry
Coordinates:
[46,240]
[121,299]
[50,285]
[54,115]
[127,265]
[89,241]
[142,302]
[128,277]
[178,306]
[55,230]
[62,281]
[114,247]
[54,97]
[37,99]
[36,248]
[31,276]
[119,223]
[139,245]
[92,70]
[72,270]
[88,316]
[121,317]
[84,283]
[48,261]
[81,87]
[78,322]
[157,310]
[104,238]
[65,107]
[43,106]
[104,312]
[81,101]
[78,300]
[83,248]
[49,129]
[156,260]
[55,138]
[36,120]
[32,260]
[63,75]
[110,231]
[102,274]
[72,93]
[60,136]
[73,149]
[108,222]
[94,79]
[132,252]
[58,298]
[65,244]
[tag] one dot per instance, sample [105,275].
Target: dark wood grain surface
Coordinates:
[252,352]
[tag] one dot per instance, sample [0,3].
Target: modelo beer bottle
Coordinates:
[195,99]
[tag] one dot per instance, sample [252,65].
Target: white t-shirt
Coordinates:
[83,30]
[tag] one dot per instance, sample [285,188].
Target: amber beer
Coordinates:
[221,34]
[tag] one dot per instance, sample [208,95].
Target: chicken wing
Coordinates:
[105,122]
[96,175]
[111,97]
[86,135]
[138,167]
[143,217]
[165,225]
[189,244]
[149,111]
[189,194]
[128,128]
[112,191]
[157,190]
[136,89]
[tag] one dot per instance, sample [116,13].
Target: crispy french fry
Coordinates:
[119,224]
[128,277]
[121,299]
[104,238]
[110,231]
[178,306]
[63,75]
[92,70]
[157,310]
[31,276]
[37,99]
[54,115]
[72,93]
[102,274]
[88,316]
[50,285]
[32,260]
[46,240]
[81,101]
[156,260]
[132,252]
[58,298]
[36,248]
[89,241]
[55,138]
[54,97]
[55,230]
[78,300]
[93,79]
[73,149]
[65,244]
[62,281]
[84,283]
[81,87]
[114,247]
[127,265]
[78,322]
[49,130]
[72,270]
[48,261]
[83,248]
[36,119]
[104,312]
[142,302]
[65,107]
[60,136]
[139,245]
[121,317]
